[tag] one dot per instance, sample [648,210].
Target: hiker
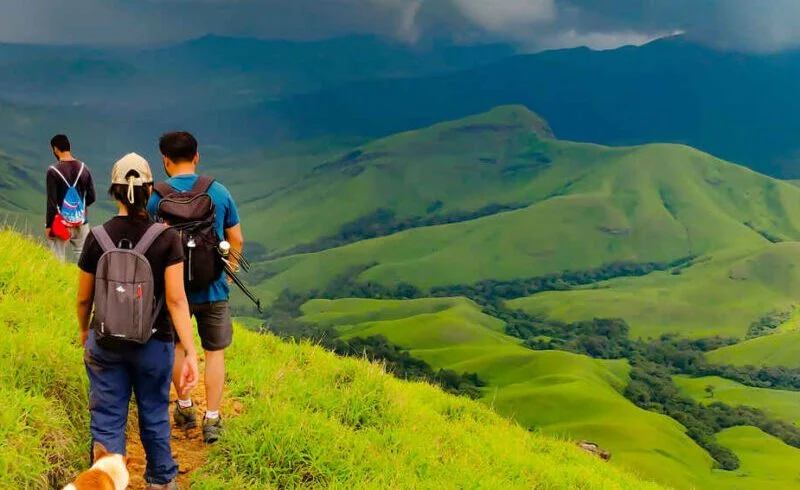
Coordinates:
[202,226]
[70,191]
[136,299]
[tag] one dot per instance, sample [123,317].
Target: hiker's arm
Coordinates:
[178,307]
[84,303]
[234,236]
[90,194]
[52,197]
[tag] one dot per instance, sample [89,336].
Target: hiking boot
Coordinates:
[173,485]
[212,430]
[185,418]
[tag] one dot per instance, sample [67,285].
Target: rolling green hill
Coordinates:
[780,404]
[580,206]
[21,193]
[562,393]
[780,349]
[557,392]
[766,462]
[720,296]
[309,418]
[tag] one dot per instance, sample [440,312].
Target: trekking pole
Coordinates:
[226,251]
[244,288]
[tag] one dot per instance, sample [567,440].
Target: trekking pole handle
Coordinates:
[224,248]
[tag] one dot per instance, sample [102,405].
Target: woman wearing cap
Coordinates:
[146,370]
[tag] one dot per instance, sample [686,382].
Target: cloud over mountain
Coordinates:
[766,25]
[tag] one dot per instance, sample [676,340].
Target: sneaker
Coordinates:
[211,430]
[173,485]
[185,418]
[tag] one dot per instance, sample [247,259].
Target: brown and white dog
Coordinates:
[109,472]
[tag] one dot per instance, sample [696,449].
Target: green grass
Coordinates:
[766,462]
[312,420]
[559,393]
[778,404]
[781,349]
[43,390]
[309,419]
[720,296]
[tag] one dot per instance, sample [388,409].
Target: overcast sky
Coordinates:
[758,25]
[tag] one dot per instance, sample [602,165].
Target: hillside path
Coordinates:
[187,446]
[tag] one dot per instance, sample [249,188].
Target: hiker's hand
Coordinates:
[189,373]
[48,233]
[84,336]
[229,279]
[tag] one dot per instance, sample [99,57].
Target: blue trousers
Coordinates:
[147,372]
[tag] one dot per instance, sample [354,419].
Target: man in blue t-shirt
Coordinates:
[210,306]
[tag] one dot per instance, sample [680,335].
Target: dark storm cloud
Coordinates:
[761,25]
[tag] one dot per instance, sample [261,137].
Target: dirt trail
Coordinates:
[187,446]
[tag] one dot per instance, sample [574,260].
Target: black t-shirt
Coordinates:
[167,250]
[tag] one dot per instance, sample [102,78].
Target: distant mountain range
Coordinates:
[243,93]
[215,72]
[743,108]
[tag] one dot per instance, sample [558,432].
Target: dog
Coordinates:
[109,472]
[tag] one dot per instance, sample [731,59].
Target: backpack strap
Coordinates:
[203,184]
[101,235]
[150,236]
[147,240]
[78,178]
[164,189]
[61,175]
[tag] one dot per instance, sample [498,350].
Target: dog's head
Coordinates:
[114,465]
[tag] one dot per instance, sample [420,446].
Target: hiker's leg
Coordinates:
[79,235]
[215,379]
[109,395]
[152,375]
[59,248]
[216,334]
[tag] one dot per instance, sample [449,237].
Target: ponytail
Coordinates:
[133,197]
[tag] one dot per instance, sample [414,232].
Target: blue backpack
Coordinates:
[73,207]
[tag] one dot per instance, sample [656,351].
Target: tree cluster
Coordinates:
[383,222]
[768,323]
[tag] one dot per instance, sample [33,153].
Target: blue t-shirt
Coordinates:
[227,217]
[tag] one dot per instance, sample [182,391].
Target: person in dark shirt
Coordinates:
[145,370]
[67,172]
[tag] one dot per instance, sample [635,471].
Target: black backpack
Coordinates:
[193,215]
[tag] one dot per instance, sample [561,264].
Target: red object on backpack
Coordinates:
[59,229]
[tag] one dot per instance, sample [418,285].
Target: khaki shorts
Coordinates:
[77,239]
[214,325]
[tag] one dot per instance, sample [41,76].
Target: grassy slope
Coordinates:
[557,392]
[310,419]
[21,193]
[42,381]
[322,190]
[766,462]
[721,296]
[781,349]
[777,403]
[590,206]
